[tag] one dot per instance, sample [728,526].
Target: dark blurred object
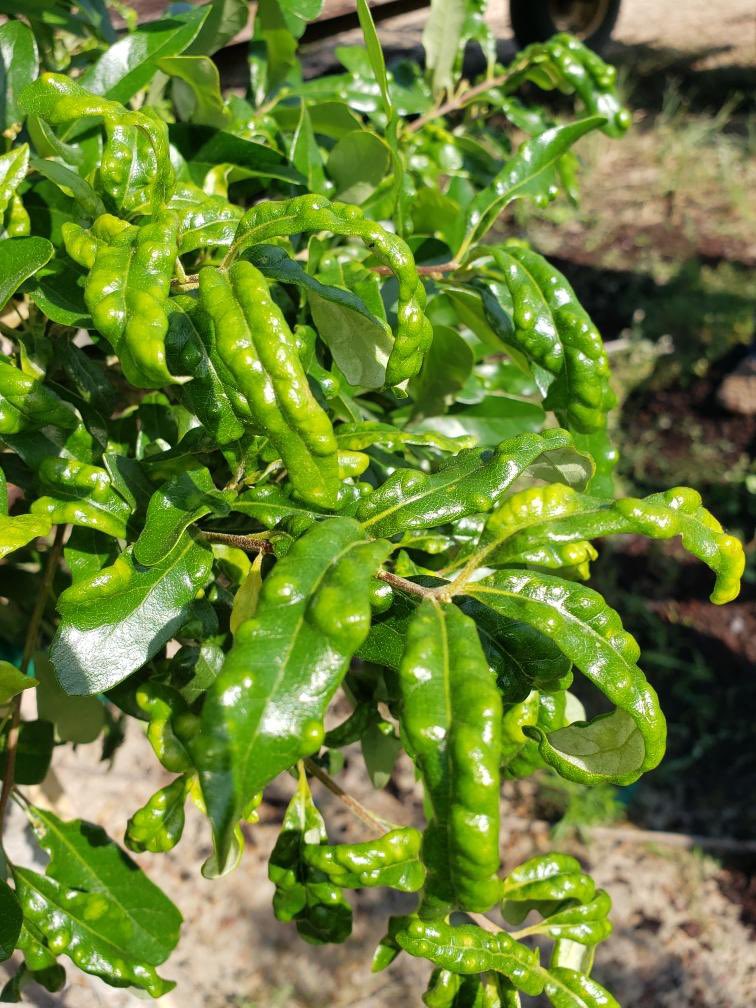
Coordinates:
[592,21]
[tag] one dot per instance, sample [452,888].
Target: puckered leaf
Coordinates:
[304,893]
[528,523]
[530,172]
[392,860]
[127,612]
[467,948]
[618,747]
[542,883]
[18,530]
[471,483]
[451,719]
[89,928]
[83,857]
[567,988]
[265,710]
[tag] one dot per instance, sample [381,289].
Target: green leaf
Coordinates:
[247,596]
[200,99]
[18,530]
[542,883]
[33,752]
[303,893]
[467,949]
[71,184]
[446,367]
[158,825]
[380,751]
[374,52]
[83,857]
[359,341]
[530,172]
[490,421]
[57,290]
[364,433]
[11,919]
[357,165]
[296,13]
[20,258]
[76,719]
[305,154]
[126,611]
[585,923]
[392,860]
[13,166]
[93,931]
[172,509]
[130,64]
[13,681]
[451,718]
[225,19]
[526,524]
[317,599]
[19,65]
[471,483]
[617,747]
[567,988]
[442,38]
[203,147]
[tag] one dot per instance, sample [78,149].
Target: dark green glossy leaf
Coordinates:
[317,598]
[225,19]
[20,258]
[197,95]
[202,148]
[83,857]
[127,611]
[19,65]
[131,63]
[172,509]
[11,919]
[33,752]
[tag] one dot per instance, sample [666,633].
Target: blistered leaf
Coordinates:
[83,857]
[90,928]
[617,747]
[127,612]
[265,710]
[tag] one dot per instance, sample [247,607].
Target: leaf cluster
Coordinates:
[282,416]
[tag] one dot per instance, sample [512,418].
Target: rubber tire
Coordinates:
[531,22]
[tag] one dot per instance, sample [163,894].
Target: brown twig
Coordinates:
[248,543]
[30,646]
[439,270]
[408,587]
[458,101]
[189,282]
[370,819]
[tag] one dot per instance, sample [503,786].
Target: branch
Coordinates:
[438,270]
[357,808]
[248,543]
[459,101]
[188,282]
[30,646]
[260,544]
